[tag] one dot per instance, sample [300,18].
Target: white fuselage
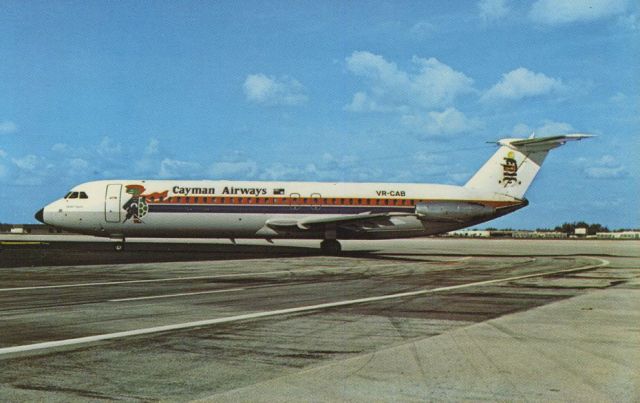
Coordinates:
[242,209]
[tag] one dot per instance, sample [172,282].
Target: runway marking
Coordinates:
[183,294]
[158,280]
[256,315]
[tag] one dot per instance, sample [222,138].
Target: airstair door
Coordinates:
[112,203]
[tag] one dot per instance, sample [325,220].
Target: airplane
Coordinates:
[120,209]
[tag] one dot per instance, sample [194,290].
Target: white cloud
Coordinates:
[362,102]
[147,163]
[548,128]
[618,98]
[329,161]
[3,169]
[152,148]
[434,84]
[448,122]
[108,148]
[605,172]
[31,170]
[267,90]
[280,171]
[171,169]
[491,10]
[423,29]
[606,203]
[553,12]
[7,127]
[605,167]
[629,22]
[78,164]
[75,168]
[234,169]
[522,83]
[422,157]
[60,148]
[27,163]
[437,83]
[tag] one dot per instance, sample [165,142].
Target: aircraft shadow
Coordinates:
[88,253]
[95,253]
[98,253]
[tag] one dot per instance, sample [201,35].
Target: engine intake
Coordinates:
[452,211]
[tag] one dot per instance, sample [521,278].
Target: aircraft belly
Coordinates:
[192,225]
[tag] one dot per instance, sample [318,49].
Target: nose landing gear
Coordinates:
[118,244]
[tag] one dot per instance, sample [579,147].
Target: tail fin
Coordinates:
[513,167]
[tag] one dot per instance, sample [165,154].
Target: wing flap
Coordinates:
[346,221]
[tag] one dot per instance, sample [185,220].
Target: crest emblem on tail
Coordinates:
[509,170]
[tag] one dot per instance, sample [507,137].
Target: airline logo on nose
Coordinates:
[137,206]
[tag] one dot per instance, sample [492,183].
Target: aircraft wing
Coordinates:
[354,222]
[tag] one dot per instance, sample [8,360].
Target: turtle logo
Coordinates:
[137,206]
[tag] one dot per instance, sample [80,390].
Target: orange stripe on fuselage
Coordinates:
[320,201]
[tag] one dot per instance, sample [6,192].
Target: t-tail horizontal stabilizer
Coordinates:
[513,167]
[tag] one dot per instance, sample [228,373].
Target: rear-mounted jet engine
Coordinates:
[452,211]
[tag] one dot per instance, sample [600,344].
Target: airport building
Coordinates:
[539,234]
[471,233]
[618,235]
[34,229]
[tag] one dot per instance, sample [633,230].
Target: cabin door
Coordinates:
[294,200]
[112,203]
[316,201]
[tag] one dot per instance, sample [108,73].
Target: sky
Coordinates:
[363,91]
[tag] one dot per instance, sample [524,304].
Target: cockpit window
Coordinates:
[76,195]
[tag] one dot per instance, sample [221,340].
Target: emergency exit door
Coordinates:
[112,203]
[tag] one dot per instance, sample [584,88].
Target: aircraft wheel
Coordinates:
[119,247]
[330,247]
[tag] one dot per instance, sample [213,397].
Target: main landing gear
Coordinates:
[330,247]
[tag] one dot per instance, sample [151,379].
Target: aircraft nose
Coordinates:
[40,215]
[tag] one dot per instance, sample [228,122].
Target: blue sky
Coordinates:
[336,91]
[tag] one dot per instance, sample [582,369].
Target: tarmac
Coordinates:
[428,319]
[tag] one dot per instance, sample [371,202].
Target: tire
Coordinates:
[330,247]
